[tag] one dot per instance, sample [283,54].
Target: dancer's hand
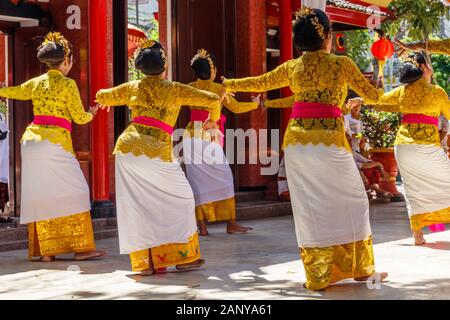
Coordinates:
[2,84]
[209,124]
[93,110]
[225,94]
[355,102]
[257,99]
[102,107]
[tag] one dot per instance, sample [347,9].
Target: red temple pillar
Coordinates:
[251,58]
[286,52]
[99,58]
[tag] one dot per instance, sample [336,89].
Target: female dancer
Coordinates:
[55,196]
[423,163]
[155,204]
[211,179]
[331,215]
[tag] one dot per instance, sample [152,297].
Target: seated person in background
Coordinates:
[354,127]
[443,131]
[283,188]
[372,172]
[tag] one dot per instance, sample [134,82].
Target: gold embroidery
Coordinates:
[52,94]
[167,255]
[331,264]
[419,221]
[159,99]
[61,235]
[222,210]
[327,131]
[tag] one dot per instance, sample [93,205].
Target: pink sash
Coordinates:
[53,121]
[152,122]
[202,115]
[314,110]
[420,118]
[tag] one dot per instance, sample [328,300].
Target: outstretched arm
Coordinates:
[276,79]
[76,109]
[199,99]
[22,92]
[280,103]
[359,83]
[239,107]
[433,46]
[117,96]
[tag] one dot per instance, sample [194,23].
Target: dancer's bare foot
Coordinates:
[376,277]
[203,231]
[419,239]
[234,227]
[89,255]
[48,259]
[190,266]
[148,272]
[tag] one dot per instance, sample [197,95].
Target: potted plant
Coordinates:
[380,130]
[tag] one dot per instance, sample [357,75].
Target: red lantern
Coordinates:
[382,49]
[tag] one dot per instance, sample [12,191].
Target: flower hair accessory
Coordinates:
[203,54]
[58,38]
[411,60]
[306,12]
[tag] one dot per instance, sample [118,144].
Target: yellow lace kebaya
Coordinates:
[315,77]
[439,46]
[52,94]
[281,103]
[419,97]
[159,99]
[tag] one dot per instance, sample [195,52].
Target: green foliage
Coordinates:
[418,18]
[380,128]
[3,107]
[151,30]
[358,46]
[133,73]
[441,66]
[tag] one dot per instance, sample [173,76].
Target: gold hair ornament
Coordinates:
[58,38]
[306,12]
[203,54]
[411,60]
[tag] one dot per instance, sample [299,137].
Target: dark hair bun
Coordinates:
[410,72]
[151,61]
[202,68]
[306,35]
[51,53]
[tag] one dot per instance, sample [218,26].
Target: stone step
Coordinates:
[262,209]
[246,196]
